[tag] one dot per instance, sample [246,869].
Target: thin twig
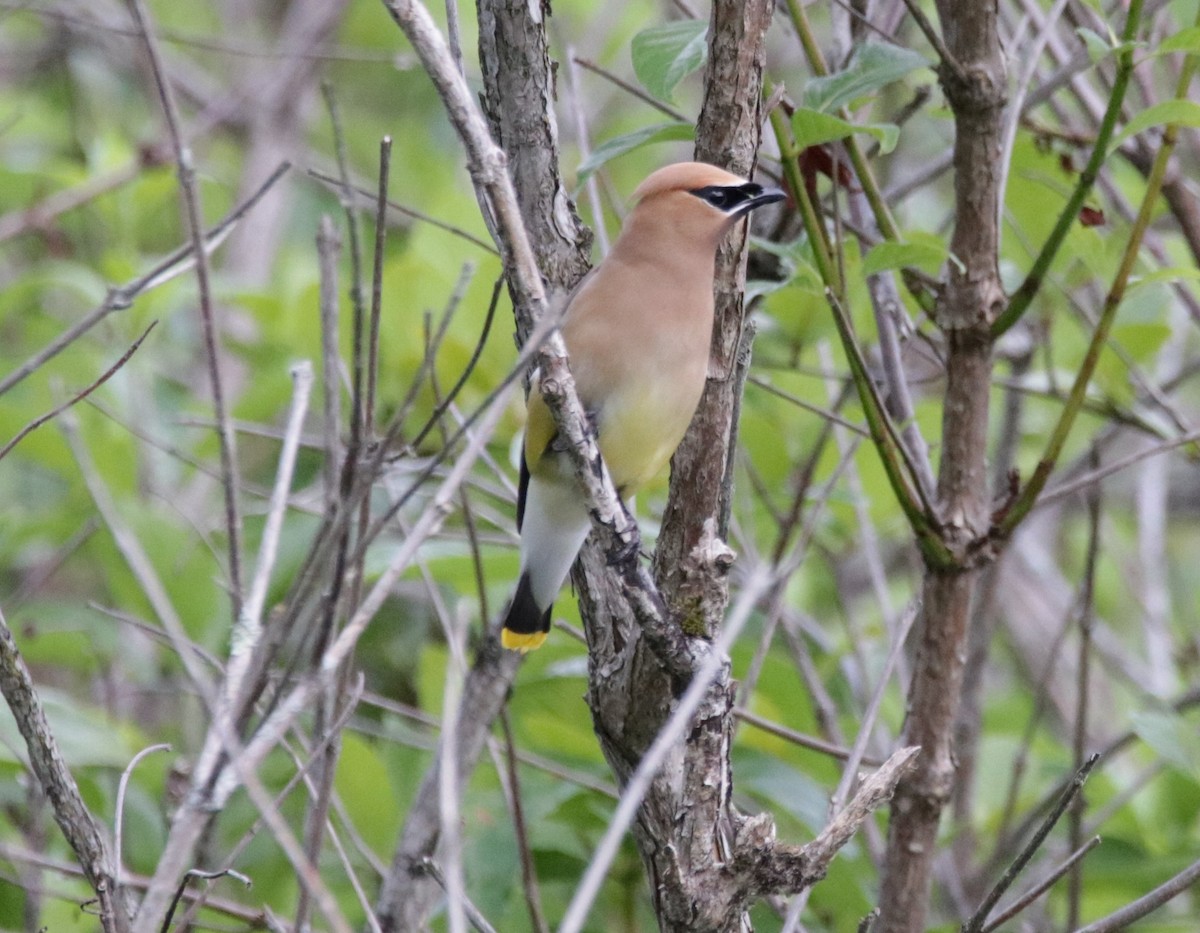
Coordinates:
[581,138]
[433,343]
[529,879]
[631,89]
[977,920]
[934,38]
[1041,888]
[871,714]
[204,875]
[328,247]
[824,413]
[406,211]
[356,275]
[1070,487]
[327,730]
[1086,621]
[79,396]
[797,738]
[194,217]
[473,914]
[1131,913]
[119,810]
[122,297]
[893,454]
[443,404]
[250,623]
[385,164]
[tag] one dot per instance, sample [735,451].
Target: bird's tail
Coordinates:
[526,624]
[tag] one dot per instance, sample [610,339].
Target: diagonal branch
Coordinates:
[1112,301]
[979,918]
[78,396]
[779,869]
[47,764]
[121,297]
[1019,303]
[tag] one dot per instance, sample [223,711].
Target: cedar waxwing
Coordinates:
[637,332]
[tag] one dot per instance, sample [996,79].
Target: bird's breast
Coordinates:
[638,335]
[642,418]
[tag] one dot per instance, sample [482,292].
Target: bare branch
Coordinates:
[328,247]
[979,918]
[1039,889]
[381,205]
[122,297]
[119,814]
[52,773]
[406,211]
[78,396]
[773,868]
[194,218]
[247,629]
[1131,913]
[673,730]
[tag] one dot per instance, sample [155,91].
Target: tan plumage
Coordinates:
[637,332]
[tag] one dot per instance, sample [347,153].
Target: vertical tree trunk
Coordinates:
[728,133]
[518,98]
[685,829]
[974,86]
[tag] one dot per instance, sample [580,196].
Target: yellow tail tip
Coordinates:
[521,641]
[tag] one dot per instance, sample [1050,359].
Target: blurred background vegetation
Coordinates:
[89,200]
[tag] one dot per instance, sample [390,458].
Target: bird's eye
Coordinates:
[719,196]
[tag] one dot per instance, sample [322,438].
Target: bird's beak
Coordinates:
[766,196]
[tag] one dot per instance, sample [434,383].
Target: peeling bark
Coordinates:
[687,832]
[409,892]
[518,99]
[728,133]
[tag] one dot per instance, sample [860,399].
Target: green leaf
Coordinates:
[1182,112]
[1141,340]
[1098,47]
[1174,740]
[872,65]
[922,250]
[1186,40]
[1169,274]
[86,736]
[813,128]
[619,145]
[665,55]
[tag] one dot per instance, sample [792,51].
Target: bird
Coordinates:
[637,330]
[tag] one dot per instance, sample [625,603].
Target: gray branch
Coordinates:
[54,777]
